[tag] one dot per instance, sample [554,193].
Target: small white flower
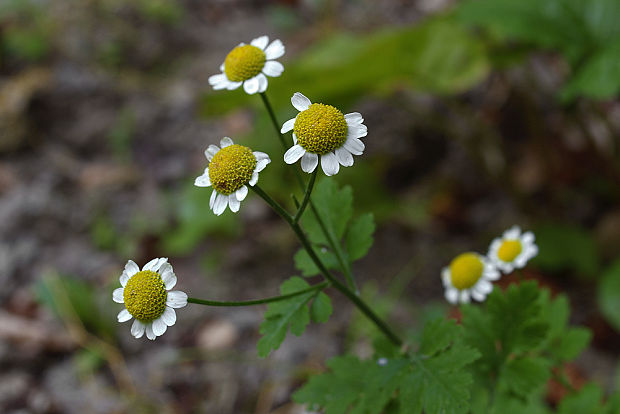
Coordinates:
[147,297]
[229,171]
[247,65]
[469,275]
[513,250]
[323,131]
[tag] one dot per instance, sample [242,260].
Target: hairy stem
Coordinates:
[304,203]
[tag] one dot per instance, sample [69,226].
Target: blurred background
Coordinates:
[481,114]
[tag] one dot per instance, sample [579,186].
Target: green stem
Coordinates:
[272,115]
[361,305]
[319,286]
[331,239]
[304,203]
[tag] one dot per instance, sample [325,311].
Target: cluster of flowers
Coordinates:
[320,133]
[470,275]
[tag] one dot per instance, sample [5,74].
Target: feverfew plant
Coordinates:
[496,357]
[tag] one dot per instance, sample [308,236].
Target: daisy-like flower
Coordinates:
[469,275]
[147,297]
[322,130]
[248,65]
[229,171]
[513,250]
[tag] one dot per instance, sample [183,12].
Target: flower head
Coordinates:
[147,297]
[469,275]
[230,169]
[322,130]
[247,65]
[513,250]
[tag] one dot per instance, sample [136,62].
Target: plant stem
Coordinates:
[331,239]
[304,203]
[319,286]
[272,115]
[361,305]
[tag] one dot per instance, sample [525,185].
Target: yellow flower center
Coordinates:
[244,62]
[145,296]
[320,129]
[231,168]
[465,270]
[509,250]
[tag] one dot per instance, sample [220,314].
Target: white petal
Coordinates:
[233,85]
[137,329]
[159,326]
[211,151]
[273,68]
[220,204]
[293,154]
[464,296]
[260,42]
[254,179]
[233,203]
[354,118]
[217,79]
[149,331]
[212,199]
[241,193]
[288,126]
[117,295]
[262,82]
[169,316]
[131,268]
[527,237]
[300,102]
[203,180]
[176,299]
[168,276]
[357,131]
[274,50]
[155,264]
[479,296]
[124,316]
[354,146]
[250,86]
[261,156]
[294,139]
[344,157]
[446,278]
[260,165]
[329,163]
[226,142]
[512,233]
[222,67]
[309,162]
[483,286]
[452,296]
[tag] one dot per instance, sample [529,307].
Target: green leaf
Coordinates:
[359,236]
[566,248]
[306,266]
[321,308]
[335,206]
[598,77]
[524,376]
[586,400]
[352,386]
[608,295]
[283,315]
[435,380]
[572,343]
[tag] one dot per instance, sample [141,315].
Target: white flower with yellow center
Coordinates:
[247,65]
[323,131]
[513,250]
[147,297]
[469,275]
[230,170]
